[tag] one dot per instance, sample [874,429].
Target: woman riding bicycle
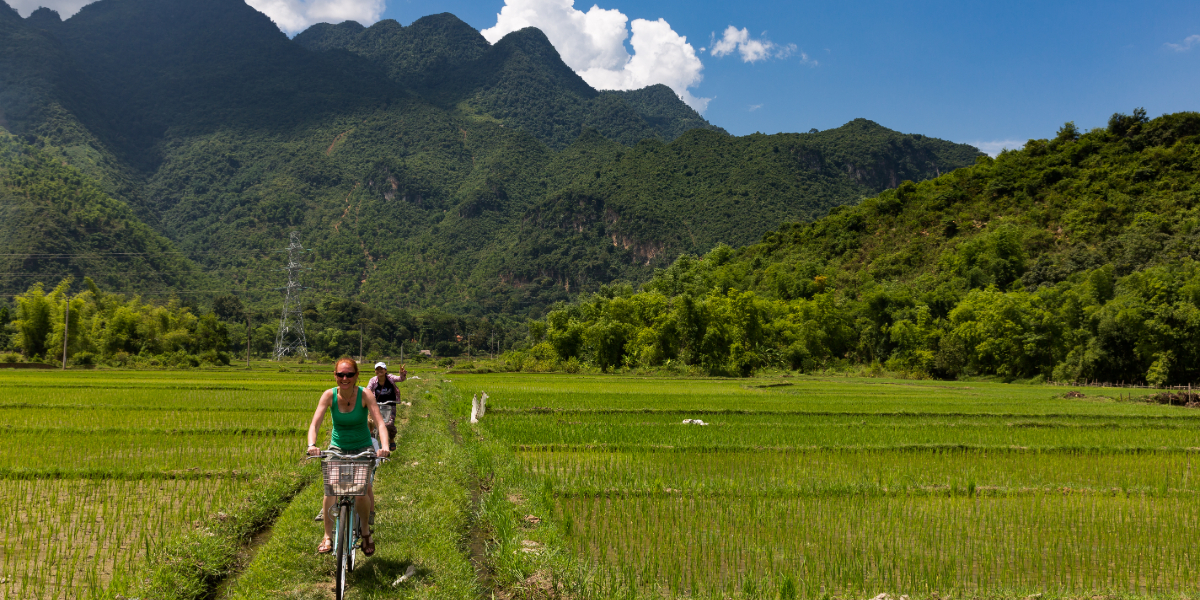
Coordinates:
[350,407]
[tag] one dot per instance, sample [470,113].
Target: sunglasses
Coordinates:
[345,375]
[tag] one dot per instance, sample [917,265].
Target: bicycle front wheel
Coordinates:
[353,537]
[343,551]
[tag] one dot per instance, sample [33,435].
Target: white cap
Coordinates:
[380,364]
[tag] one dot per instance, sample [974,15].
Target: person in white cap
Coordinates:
[383,385]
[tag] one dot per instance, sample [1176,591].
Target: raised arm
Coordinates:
[314,428]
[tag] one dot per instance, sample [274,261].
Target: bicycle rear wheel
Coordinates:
[344,551]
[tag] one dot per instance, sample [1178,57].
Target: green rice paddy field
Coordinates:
[100,468]
[802,487]
[812,487]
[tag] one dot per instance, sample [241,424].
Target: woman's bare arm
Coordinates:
[314,428]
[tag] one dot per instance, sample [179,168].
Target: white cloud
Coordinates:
[1187,44]
[65,8]
[993,148]
[754,107]
[750,49]
[294,16]
[592,43]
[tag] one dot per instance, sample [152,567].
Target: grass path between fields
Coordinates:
[452,503]
[423,508]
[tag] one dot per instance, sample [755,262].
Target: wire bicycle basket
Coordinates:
[347,477]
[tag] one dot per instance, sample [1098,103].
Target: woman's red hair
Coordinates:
[346,359]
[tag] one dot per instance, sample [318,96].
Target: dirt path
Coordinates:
[245,555]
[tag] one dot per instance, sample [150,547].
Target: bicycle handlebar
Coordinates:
[334,454]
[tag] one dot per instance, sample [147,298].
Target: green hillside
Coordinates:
[45,96]
[423,167]
[1075,258]
[57,223]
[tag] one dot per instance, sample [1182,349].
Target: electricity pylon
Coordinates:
[291,339]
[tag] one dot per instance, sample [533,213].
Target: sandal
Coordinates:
[326,546]
[368,543]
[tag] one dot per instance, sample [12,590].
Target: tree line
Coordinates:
[119,330]
[1144,327]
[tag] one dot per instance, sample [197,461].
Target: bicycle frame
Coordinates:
[387,410]
[346,523]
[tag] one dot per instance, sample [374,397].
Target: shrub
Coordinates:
[514,361]
[213,357]
[84,359]
[571,365]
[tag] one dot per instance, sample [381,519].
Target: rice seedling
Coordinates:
[107,466]
[75,538]
[830,487]
[74,453]
[836,431]
[710,546]
[166,419]
[871,472]
[821,395]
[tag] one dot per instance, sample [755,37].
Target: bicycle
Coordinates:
[346,477]
[387,410]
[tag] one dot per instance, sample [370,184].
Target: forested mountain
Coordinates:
[422,166]
[56,223]
[1075,258]
[521,81]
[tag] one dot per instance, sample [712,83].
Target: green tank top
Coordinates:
[350,430]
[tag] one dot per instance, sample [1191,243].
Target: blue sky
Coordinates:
[965,71]
[974,72]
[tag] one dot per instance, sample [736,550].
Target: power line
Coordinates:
[91,254]
[201,271]
[334,289]
[112,271]
[165,292]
